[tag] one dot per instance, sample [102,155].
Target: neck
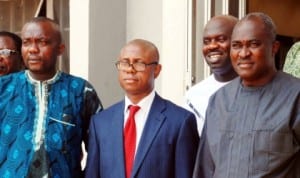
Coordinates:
[42,76]
[258,82]
[225,77]
[135,98]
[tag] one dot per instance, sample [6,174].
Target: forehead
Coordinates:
[135,51]
[217,27]
[248,30]
[6,42]
[38,30]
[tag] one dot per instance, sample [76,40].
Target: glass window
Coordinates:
[62,16]
[14,13]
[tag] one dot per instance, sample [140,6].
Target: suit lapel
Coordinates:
[153,124]
[115,144]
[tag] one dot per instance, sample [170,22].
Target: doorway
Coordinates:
[286,15]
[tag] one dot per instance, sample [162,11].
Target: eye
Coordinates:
[43,42]
[235,45]
[124,63]
[206,41]
[255,44]
[139,64]
[222,39]
[25,42]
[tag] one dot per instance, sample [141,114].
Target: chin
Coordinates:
[34,67]
[220,71]
[245,75]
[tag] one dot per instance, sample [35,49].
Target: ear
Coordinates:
[275,47]
[61,49]
[157,70]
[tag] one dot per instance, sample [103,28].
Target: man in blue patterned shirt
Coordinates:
[44,113]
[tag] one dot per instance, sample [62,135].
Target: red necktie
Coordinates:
[130,139]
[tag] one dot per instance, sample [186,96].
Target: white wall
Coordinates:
[165,24]
[175,49]
[144,20]
[98,32]
[79,44]
[107,36]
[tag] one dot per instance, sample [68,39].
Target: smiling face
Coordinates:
[216,44]
[253,52]
[40,48]
[11,63]
[137,85]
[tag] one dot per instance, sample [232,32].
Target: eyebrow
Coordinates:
[135,59]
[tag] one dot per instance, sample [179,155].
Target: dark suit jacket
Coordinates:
[167,148]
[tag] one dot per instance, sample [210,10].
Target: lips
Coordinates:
[3,69]
[214,56]
[33,60]
[245,64]
[130,80]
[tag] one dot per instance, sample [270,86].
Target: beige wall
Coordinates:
[285,13]
[104,26]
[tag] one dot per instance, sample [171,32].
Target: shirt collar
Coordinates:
[49,81]
[144,104]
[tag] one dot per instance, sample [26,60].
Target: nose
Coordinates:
[213,44]
[244,53]
[32,48]
[130,69]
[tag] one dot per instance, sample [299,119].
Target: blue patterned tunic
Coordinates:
[42,125]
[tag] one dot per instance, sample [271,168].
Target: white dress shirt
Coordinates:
[141,115]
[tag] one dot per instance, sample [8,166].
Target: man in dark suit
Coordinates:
[166,134]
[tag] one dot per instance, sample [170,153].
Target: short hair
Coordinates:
[232,20]
[269,25]
[149,45]
[55,25]
[16,39]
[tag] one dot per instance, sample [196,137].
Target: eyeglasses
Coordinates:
[7,52]
[138,66]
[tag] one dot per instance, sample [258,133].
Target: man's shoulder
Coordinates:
[119,106]
[175,115]
[72,77]
[75,79]
[296,47]
[287,81]
[202,85]
[227,90]
[204,89]
[17,77]
[233,83]
[170,106]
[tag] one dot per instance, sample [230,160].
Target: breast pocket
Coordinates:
[59,132]
[271,149]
